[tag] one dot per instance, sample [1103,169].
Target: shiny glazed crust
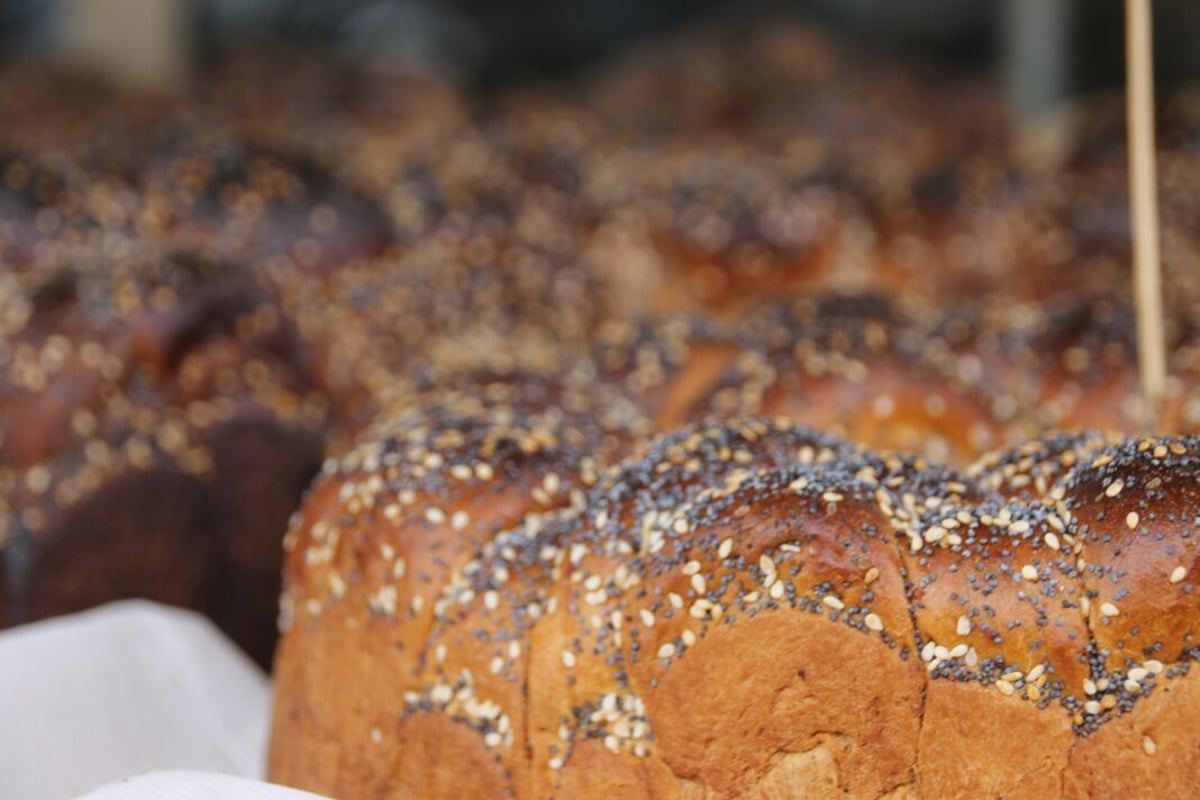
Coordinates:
[745,609]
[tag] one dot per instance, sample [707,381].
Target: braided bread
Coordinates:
[747,609]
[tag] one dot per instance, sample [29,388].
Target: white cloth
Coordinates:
[123,689]
[195,786]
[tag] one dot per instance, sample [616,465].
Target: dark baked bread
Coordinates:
[158,426]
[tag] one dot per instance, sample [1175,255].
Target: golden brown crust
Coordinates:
[753,605]
[1134,506]
[977,742]
[442,480]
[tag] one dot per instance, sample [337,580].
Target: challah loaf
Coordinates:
[747,609]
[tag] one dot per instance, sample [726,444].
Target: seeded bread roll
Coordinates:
[257,204]
[862,367]
[157,426]
[440,480]
[751,610]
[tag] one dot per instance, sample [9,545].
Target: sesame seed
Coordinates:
[698,584]
[691,568]
[963,627]
[1109,610]
[1148,746]
[38,479]
[831,497]
[1051,540]
[491,599]
[1131,520]
[646,617]
[1029,572]
[1153,666]
[435,516]
[873,622]
[776,591]
[1138,674]
[1005,687]
[1035,673]
[568,659]
[376,735]
[798,485]
[689,637]
[1178,574]
[871,576]
[666,651]
[1020,526]
[725,548]
[1132,686]
[675,600]
[833,602]
[1091,707]
[766,564]
[1114,488]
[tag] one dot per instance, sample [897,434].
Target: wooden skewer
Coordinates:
[1152,359]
